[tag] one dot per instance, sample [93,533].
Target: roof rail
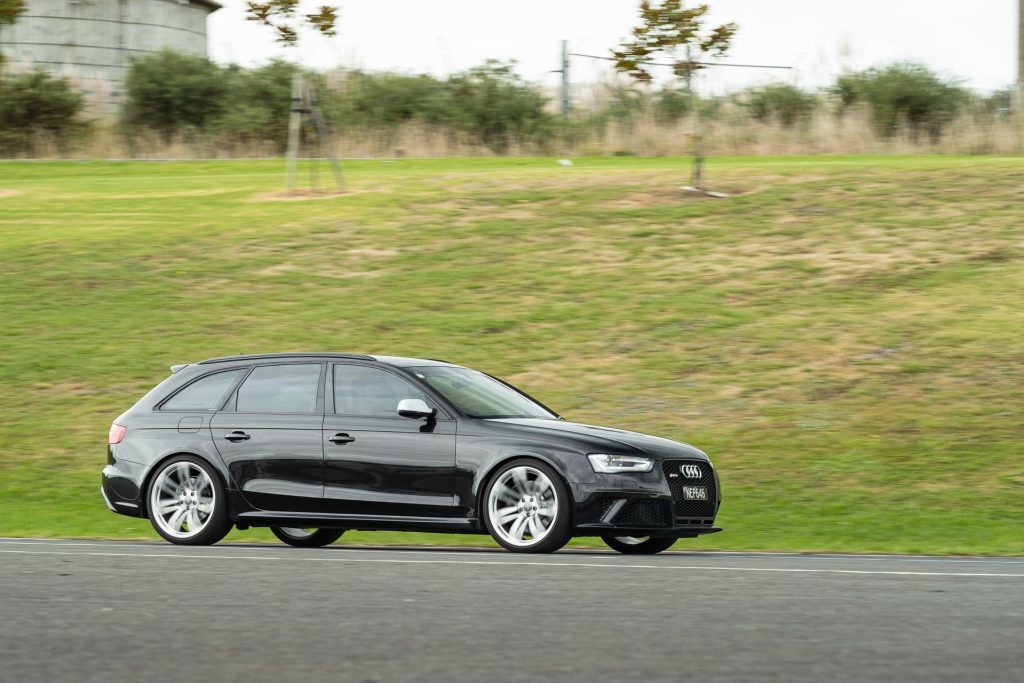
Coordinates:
[257,356]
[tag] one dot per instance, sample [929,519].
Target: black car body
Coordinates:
[316,440]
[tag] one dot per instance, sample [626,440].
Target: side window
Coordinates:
[360,390]
[279,389]
[203,394]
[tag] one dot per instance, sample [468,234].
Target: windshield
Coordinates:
[478,395]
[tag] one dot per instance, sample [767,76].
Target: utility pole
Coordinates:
[564,71]
[1019,104]
[566,98]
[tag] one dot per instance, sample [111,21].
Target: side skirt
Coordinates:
[443,525]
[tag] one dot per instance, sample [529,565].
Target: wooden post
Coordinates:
[697,178]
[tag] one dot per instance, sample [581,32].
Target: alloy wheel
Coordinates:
[182,499]
[523,506]
[631,540]
[297,532]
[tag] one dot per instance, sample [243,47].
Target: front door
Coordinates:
[270,437]
[376,462]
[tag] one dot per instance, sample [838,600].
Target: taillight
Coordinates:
[116,434]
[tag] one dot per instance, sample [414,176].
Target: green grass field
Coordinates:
[843,336]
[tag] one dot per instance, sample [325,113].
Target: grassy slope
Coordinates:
[843,337]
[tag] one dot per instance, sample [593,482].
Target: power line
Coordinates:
[744,66]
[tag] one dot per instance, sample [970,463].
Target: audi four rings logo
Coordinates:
[691,471]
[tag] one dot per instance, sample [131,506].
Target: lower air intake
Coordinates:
[644,513]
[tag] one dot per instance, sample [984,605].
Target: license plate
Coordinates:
[695,493]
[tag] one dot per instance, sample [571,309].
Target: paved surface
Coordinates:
[92,611]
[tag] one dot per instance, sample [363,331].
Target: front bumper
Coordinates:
[675,531]
[648,504]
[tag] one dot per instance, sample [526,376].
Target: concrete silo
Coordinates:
[92,41]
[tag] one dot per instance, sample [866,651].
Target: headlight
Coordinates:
[612,464]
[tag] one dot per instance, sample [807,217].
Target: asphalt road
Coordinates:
[105,611]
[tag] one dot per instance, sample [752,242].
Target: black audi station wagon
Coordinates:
[314,444]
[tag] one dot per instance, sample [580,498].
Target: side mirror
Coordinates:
[415,408]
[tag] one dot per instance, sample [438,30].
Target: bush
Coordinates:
[170,92]
[37,102]
[779,102]
[256,104]
[389,100]
[672,105]
[903,94]
[999,103]
[497,108]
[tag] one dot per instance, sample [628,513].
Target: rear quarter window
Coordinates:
[206,393]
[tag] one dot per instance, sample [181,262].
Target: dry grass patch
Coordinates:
[302,195]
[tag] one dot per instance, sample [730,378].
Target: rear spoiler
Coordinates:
[176,368]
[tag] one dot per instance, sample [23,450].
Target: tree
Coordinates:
[282,16]
[10,10]
[673,32]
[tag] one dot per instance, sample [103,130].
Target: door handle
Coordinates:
[341,438]
[237,436]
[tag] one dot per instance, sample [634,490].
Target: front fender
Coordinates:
[478,458]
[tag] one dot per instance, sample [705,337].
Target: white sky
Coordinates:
[975,41]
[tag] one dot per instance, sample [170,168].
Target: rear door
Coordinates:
[376,462]
[269,435]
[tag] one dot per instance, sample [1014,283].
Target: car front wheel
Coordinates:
[643,545]
[306,538]
[527,508]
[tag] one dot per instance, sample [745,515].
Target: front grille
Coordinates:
[643,513]
[690,509]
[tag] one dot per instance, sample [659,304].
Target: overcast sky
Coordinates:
[975,41]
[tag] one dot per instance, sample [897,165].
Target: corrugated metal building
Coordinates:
[93,41]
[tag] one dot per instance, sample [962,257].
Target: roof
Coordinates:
[390,360]
[411,362]
[209,4]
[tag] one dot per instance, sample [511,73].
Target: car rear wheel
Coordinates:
[639,545]
[306,538]
[527,508]
[187,504]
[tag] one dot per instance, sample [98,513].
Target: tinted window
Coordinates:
[365,391]
[279,389]
[478,395]
[203,394]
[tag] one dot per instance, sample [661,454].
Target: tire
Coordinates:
[186,502]
[644,545]
[526,497]
[307,538]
